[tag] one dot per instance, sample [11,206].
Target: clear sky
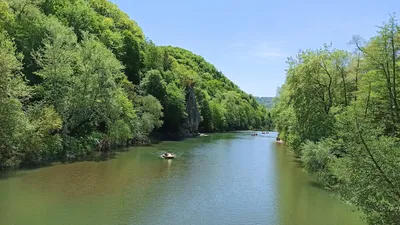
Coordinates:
[250,40]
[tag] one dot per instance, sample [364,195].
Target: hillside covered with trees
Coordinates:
[80,75]
[265,101]
[339,111]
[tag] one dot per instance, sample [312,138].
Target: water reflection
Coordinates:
[302,201]
[169,163]
[223,179]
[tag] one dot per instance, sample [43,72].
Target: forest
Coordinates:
[339,112]
[79,76]
[265,101]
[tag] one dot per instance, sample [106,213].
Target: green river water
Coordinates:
[223,179]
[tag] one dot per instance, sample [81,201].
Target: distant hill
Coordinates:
[265,101]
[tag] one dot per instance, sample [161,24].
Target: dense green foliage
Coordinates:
[79,75]
[214,92]
[340,112]
[265,101]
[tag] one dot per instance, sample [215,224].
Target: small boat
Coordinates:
[263,132]
[168,155]
[203,135]
[254,134]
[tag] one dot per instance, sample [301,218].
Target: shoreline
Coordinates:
[95,156]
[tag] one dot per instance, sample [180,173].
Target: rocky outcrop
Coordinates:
[190,126]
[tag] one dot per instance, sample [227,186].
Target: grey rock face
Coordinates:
[190,126]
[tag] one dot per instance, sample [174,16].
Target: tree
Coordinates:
[154,84]
[218,115]
[205,110]
[153,58]
[340,113]
[174,109]
[150,113]
[25,136]
[13,90]
[83,82]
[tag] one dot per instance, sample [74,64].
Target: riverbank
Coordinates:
[99,154]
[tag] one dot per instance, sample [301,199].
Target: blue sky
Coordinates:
[249,41]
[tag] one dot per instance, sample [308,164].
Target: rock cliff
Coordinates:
[190,125]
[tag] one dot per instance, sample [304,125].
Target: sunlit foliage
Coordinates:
[339,111]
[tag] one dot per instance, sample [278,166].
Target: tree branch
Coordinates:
[385,177]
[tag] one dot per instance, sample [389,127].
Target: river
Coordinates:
[223,179]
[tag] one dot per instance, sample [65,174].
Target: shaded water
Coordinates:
[221,179]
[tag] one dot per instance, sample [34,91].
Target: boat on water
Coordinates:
[168,155]
[254,134]
[203,135]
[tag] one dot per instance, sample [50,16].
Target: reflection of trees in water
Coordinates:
[129,185]
[303,203]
